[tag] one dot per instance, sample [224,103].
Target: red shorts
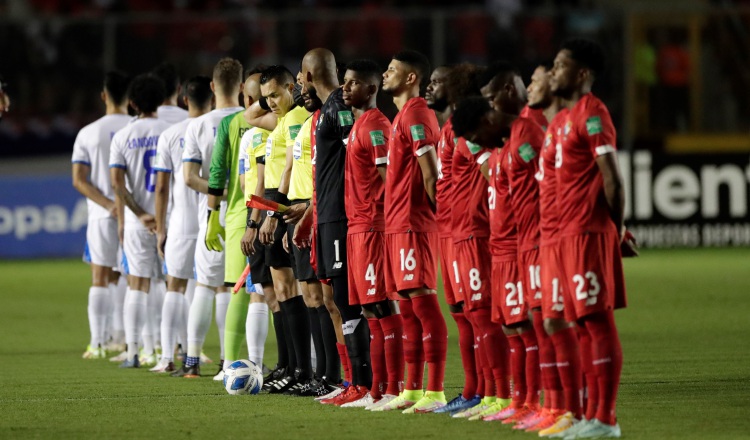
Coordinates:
[449,270]
[365,261]
[594,279]
[553,306]
[528,269]
[508,306]
[410,261]
[475,272]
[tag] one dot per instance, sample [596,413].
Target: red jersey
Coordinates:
[587,134]
[415,132]
[503,236]
[536,115]
[445,180]
[364,188]
[470,203]
[548,209]
[521,164]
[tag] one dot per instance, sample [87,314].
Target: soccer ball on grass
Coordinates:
[243,377]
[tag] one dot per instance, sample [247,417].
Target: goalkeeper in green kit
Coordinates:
[247,312]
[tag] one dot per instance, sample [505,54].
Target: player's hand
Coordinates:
[629,245]
[267,231]
[161,243]
[113,211]
[302,235]
[148,221]
[214,233]
[247,244]
[295,213]
[285,243]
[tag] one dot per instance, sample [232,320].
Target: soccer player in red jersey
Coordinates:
[366,159]
[591,204]
[411,232]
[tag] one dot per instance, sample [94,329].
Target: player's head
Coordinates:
[408,70]
[435,95]
[361,81]
[146,93]
[311,102]
[539,92]
[251,89]
[462,81]
[198,92]
[227,77]
[474,120]
[576,66]
[167,72]
[276,84]
[318,68]
[116,88]
[502,86]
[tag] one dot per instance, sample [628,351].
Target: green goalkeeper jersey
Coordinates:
[224,167]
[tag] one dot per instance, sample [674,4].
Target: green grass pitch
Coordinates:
[684,336]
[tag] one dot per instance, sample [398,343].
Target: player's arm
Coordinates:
[117,175]
[614,190]
[217,175]
[258,116]
[247,244]
[295,212]
[161,195]
[81,172]
[191,173]
[428,164]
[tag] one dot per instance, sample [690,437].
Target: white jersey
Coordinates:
[199,144]
[183,221]
[171,114]
[92,148]
[133,149]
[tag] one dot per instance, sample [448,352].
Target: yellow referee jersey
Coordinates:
[301,184]
[280,138]
[252,146]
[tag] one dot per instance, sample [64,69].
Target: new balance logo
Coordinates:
[538,295]
[476,297]
[338,265]
[409,277]
[515,311]
[558,307]
[591,301]
[370,292]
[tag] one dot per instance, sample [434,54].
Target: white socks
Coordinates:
[199,319]
[97,311]
[171,312]
[134,318]
[118,299]
[256,330]
[222,303]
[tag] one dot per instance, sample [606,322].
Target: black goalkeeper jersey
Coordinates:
[331,134]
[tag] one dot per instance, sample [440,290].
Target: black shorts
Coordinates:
[301,266]
[259,272]
[331,250]
[276,256]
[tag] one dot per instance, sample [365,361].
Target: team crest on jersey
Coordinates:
[473,148]
[594,125]
[377,138]
[526,152]
[417,132]
[346,118]
[294,130]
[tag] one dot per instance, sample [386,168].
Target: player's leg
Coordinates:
[118,288]
[172,311]
[101,244]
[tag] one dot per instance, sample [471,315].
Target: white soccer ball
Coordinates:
[243,377]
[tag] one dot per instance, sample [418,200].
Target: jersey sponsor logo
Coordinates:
[377,138]
[294,130]
[527,153]
[417,132]
[594,125]
[269,146]
[297,149]
[346,118]
[473,148]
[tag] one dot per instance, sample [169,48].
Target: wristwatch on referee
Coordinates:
[252,224]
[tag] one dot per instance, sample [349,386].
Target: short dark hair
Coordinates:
[367,68]
[167,72]
[463,80]
[198,90]
[418,62]
[468,115]
[277,72]
[586,53]
[258,68]
[116,84]
[147,92]
[497,70]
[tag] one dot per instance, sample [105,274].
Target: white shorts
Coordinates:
[179,255]
[102,242]
[141,258]
[209,265]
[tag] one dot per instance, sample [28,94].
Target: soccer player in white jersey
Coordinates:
[176,242]
[209,265]
[133,179]
[91,179]
[169,111]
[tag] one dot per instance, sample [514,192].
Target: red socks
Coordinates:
[345,364]
[532,368]
[466,345]
[568,358]
[518,369]
[495,351]
[413,353]
[607,362]
[393,343]
[591,394]
[377,358]
[547,365]
[434,337]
